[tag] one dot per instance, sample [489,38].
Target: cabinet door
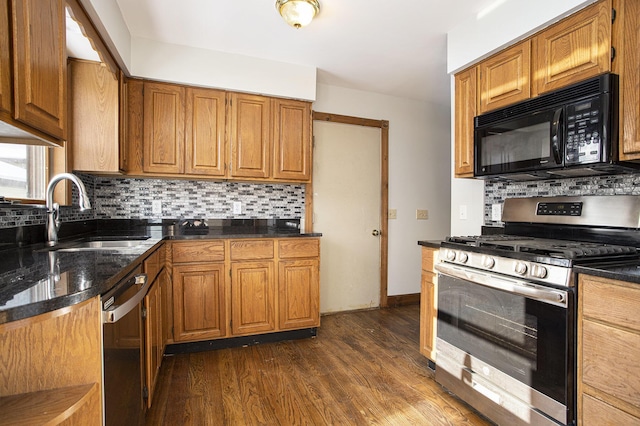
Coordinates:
[465,111]
[250,136]
[505,77]
[5,60]
[93,137]
[299,293]
[292,140]
[40,65]
[574,49]
[199,311]
[163,128]
[428,304]
[205,131]
[252,297]
[627,43]
[153,336]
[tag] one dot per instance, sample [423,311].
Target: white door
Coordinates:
[346,210]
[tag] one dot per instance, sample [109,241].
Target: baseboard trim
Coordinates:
[403,300]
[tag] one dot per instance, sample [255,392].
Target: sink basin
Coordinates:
[100,244]
[103,245]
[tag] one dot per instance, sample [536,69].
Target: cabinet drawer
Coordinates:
[200,251]
[288,249]
[252,249]
[429,258]
[610,361]
[596,413]
[611,301]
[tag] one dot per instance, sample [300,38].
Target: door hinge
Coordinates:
[145,392]
[144,312]
[613,15]
[613,53]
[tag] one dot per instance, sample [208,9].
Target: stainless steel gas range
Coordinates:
[507,304]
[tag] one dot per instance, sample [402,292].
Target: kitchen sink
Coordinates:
[100,244]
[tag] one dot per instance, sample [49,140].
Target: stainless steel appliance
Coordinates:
[507,304]
[569,132]
[123,344]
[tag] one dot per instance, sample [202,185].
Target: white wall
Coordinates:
[207,68]
[419,172]
[199,67]
[509,21]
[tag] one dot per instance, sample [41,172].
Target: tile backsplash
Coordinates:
[495,192]
[126,198]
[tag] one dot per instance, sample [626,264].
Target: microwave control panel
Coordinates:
[583,132]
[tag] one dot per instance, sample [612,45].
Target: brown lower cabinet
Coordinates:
[429,303]
[52,367]
[240,287]
[608,352]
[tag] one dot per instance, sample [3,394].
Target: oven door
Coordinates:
[518,332]
[530,142]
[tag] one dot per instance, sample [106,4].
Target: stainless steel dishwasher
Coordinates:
[123,343]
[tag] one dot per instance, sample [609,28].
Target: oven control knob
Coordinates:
[488,262]
[538,271]
[463,257]
[520,268]
[450,255]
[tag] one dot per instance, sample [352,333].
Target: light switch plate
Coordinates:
[422,214]
[393,214]
[237,207]
[463,212]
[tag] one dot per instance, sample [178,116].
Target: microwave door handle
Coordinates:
[555,135]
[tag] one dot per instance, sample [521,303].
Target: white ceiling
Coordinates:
[395,48]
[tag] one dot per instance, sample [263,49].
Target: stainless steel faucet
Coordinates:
[53,209]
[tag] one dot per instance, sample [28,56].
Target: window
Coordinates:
[23,171]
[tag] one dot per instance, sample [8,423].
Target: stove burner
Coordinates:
[545,247]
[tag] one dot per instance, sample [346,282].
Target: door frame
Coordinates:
[383,125]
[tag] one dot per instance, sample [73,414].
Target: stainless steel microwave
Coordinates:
[569,132]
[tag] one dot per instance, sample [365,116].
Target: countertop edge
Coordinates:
[430,243]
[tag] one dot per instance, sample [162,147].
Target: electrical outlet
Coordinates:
[393,214]
[496,212]
[422,214]
[156,206]
[237,207]
[463,212]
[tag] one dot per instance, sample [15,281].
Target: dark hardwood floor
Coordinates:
[363,368]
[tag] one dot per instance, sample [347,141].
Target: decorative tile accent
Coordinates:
[495,192]
[125,198]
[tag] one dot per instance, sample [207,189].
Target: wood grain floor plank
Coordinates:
[364,368]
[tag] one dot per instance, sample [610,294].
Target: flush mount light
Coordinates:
[298,13]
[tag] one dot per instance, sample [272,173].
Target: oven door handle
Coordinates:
[116,312]
[522,288]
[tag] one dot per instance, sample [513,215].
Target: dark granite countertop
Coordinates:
[34,280]
[430,243]
[629,272]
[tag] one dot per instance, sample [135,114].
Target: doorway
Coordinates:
[348,202]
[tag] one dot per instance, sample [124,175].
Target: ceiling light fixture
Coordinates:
[298,13]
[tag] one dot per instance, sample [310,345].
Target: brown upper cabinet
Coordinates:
[506,77]
[465,109]
[164,114]
[571,50]
[93,111]
[291,140]
[37,68]
[206,133]
[626,38]
[250,133]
